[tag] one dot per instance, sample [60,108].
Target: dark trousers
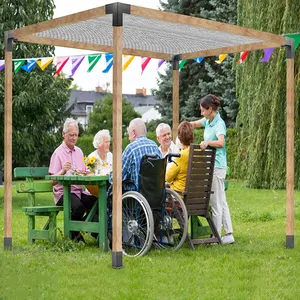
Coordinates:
[79,207]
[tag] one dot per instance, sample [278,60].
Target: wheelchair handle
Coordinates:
[169,156]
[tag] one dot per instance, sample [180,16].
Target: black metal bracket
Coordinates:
[175,61]
[8,40]
[290,51]
[117,10]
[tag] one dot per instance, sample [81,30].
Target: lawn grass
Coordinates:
[257,266]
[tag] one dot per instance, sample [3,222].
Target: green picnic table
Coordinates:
[86,226]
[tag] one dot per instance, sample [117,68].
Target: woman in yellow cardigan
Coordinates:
[176,173]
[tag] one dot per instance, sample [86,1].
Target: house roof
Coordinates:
[146,32]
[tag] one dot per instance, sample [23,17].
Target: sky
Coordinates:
[132,77]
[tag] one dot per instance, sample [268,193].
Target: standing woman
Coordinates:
[215,136]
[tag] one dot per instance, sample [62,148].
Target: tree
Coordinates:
[261,90]
[39,99]
[197,80]
[101,117]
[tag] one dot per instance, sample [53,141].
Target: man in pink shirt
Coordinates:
[66,159]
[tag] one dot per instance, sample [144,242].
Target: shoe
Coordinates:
[167,240]
[228,239]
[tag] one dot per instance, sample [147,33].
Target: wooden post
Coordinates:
[8,142]
[175,96]
[117,148]
[290,143]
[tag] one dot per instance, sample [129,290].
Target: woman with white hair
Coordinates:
[102,154]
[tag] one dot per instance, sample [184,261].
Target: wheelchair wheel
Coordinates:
[174,223]
[137,224]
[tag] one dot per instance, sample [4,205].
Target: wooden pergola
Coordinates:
[126,29]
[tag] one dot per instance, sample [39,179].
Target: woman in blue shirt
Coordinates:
[215,136]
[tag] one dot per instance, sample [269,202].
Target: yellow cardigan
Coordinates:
[176,175]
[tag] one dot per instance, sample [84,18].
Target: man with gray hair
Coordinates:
[163,135]
[139,146]
[66,159]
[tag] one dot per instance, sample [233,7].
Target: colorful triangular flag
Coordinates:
[2,65]
[221,58]
[44,62]
[109,62]
[198,59]
[76,61]
[160,62]
[243,56]
[128,59]
[60,63]
[267,54]
[18,64]
[145,61]
[93,59]
[29,66]
[181,64]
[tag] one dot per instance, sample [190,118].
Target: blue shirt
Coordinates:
[132,155]
[211,132]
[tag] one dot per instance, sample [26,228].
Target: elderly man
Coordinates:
[163,135]
[66,159]
[133,153]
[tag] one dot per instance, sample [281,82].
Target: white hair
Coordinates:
[69,123]
[162,126]
[139,126]
[99,138]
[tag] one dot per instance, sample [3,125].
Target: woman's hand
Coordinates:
[203,145]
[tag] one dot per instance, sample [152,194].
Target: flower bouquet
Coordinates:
[90,163]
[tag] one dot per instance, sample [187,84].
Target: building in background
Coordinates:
[83,103]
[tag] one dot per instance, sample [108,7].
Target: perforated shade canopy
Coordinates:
[147,32]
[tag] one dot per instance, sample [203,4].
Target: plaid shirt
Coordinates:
[131,159]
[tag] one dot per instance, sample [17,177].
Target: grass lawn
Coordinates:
[257,266]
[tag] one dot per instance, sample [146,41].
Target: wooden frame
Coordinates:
[118,10]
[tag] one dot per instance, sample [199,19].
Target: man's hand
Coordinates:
[66,167]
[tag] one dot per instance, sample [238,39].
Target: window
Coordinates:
[89,109]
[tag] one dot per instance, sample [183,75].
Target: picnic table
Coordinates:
[86,226]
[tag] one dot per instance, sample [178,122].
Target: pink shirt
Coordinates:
[61,155]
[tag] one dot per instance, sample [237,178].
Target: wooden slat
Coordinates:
[34,187]
[290,147]
[175,103]
[208,24]
[117,140]
[8,146]
[32,172]
[231,49]
[194,189]
[201,195]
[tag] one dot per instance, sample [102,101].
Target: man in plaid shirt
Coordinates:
[133,153]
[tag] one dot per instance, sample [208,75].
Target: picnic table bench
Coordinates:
[32,184]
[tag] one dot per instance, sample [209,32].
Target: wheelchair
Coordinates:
[154,215]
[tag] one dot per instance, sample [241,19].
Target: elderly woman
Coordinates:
[102,154]
[177,172]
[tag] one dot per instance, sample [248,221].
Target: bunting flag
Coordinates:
[61,62]
[93,59]
[296,37]
[29,66]
[221,58]
[109,62]
[44,62]
[198,59]
[145,62]
[2,65]
[76,61]
[267,54]
[181,64]
[160,62]
[18,64]
[128,59]
[243,56]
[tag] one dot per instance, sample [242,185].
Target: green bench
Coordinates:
[32,184]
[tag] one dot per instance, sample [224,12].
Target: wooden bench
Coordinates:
[33,185]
